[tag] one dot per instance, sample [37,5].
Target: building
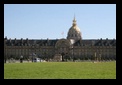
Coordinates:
[74,47]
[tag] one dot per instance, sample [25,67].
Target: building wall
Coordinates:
[45,51]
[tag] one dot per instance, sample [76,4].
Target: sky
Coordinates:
[52,21]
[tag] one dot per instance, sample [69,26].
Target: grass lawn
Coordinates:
[60,70]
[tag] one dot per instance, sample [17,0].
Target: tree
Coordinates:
[74,58]
[21,59]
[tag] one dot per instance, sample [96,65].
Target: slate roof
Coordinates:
[95,42]
[52,42]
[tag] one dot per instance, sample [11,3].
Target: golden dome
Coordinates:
[74,31]
[75,28]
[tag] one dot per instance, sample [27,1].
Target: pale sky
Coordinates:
[42,21]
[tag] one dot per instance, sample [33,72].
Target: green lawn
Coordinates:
[60,70]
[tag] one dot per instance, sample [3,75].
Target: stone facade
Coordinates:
[74,47]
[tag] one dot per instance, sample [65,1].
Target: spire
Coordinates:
[74,18]
[74,21]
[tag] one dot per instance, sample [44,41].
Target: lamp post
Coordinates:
[100,57]
[99,53]
[32,48]
[73,53]
[95,56]
[86,55]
